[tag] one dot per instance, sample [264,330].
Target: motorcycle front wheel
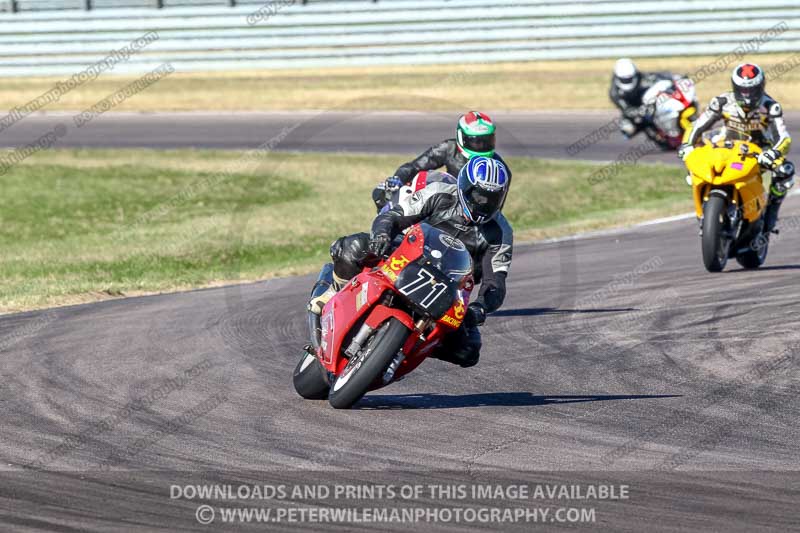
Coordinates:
[715,243]
[371,362]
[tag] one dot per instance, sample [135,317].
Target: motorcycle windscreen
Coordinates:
[718,136]
[431,283]
[447,253]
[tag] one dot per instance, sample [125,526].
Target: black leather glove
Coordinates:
[379,245]
[476,315]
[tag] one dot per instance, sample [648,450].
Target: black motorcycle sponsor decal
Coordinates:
[451,242]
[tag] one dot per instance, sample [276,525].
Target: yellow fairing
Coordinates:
[723,166]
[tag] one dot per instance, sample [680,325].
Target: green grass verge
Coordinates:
[79,225]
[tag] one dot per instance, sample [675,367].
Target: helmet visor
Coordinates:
[749,96]
[481,144]
[483,203]
[626,83]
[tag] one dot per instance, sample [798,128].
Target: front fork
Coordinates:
[734,213]
[735,220]
[422,326]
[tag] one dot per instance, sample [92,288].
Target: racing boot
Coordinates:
[771,213]
[627,127]
[328,284]
[782,181]
[462,347]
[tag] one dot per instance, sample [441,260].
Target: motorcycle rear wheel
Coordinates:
[363,369]
[754,258]
[715,245]
[309,378]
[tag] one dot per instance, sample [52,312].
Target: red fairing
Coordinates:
[381,314]
[679,96]
[343,311]
[407,252]
[422,181]
[361,302]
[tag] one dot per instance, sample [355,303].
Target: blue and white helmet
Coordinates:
[482,188]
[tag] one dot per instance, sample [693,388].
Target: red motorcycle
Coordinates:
[387,320]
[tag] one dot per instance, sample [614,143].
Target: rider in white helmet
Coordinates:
[628,86]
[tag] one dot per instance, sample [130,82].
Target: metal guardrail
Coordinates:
[16,6]
[290,34]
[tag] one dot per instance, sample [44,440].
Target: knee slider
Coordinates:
[469,353]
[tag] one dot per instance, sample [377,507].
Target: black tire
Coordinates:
[364,369]
[310,378]
[715,222]
[755,256]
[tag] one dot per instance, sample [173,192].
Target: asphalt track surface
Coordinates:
[616,359]
[532,134]
[540,134]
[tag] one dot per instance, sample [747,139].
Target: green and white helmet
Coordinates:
[475,134]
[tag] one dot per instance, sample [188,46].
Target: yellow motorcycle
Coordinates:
[729,198]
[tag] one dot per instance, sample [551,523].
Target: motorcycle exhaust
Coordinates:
[324,280]
[315,331]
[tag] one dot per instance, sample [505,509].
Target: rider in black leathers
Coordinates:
[488,238]
[475,135]
[628,86]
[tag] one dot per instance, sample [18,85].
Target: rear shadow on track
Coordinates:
[537,311]
[767,267]
[489,399]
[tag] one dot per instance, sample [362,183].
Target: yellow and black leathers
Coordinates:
[765,124]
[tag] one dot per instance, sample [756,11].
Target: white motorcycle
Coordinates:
[395,195]
[671,106]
